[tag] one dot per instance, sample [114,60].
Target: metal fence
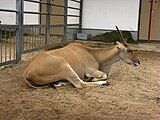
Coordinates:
[8,44]
[22,38]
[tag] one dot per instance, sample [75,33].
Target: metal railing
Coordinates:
[7,44]
[21,38]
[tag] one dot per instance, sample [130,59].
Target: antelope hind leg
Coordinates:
[70,75]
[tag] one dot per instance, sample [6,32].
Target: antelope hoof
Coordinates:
[106,83]
[104,77]
[102,82]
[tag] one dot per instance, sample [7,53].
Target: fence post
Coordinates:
[47,36]
[80,17]
[19,31]
[65,19]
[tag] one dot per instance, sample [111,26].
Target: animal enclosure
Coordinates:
[133,94]
[25,35]
[32,40]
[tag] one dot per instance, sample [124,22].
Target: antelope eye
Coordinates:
[129,50]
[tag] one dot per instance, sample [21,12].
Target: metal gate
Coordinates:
[51,30]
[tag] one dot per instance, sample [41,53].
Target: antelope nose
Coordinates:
[139,62]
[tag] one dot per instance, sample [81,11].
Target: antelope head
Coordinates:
[125,53]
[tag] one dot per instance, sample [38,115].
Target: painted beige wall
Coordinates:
[54,10]
[155,24]
[145,18]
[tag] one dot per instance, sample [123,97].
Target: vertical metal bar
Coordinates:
[80,16]
[43,40]
[40,10]
[36,42]
[47,22]
[139,16]
[43,36]
[19,32]
[5,46]
[34,37]
[29,37]
[39,36]
[40,21]
[50,40]
[37,39]
[25,39]
[10,43]
[1,44]
[53,33]
[32,30]
[150,21]
[65,19]
[14,45]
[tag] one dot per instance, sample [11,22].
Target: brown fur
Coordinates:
[74,62]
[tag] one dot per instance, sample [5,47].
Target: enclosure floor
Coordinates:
[133,94]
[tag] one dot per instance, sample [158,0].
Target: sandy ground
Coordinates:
[133,94]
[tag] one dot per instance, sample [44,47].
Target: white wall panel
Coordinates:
[105,14]
[31,18]
[10,18]
[73,20]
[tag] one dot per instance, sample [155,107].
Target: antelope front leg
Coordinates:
[69,74]
[96,75]
[106,69]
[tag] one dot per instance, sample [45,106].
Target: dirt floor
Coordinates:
[133,94]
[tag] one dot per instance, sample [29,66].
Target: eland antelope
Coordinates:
[75,62]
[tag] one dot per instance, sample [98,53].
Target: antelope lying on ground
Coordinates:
[75,62]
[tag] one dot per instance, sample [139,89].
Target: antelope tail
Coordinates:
[34,85]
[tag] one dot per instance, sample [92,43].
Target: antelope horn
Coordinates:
[122,38]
